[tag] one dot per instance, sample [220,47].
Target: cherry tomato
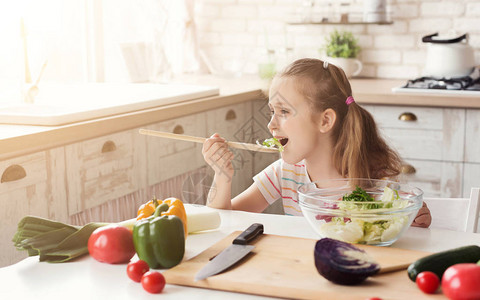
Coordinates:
[462,282]
[111,244]
[136,269]
[153,282]
[428,282]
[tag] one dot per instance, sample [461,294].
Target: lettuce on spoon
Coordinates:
[272,143]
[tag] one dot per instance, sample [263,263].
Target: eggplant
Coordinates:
[343,263]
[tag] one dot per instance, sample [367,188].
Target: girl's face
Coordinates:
[291,121]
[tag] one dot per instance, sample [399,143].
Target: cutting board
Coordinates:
[282,266]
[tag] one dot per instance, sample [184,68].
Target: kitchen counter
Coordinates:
[16,140]
[86,278]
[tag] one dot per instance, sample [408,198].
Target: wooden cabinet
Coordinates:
[31,185]
[436,178]
[102,169]
[234,123]
[471,173]
[423,133]
[472,137]
[432,143]
[168,158]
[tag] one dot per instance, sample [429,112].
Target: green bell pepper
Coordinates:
[160,240]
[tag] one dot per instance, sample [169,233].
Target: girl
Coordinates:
[325,135]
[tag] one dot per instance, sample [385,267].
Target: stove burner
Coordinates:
[460,83]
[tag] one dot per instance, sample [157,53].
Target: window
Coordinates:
[93,41]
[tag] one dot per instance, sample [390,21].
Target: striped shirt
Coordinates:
[282,180]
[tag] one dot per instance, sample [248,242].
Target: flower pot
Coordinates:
[351,66]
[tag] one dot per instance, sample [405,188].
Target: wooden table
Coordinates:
[86,278]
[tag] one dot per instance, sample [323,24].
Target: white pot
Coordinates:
[351,66]
[448,58]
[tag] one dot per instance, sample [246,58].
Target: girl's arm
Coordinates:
[250,200]
[216,154]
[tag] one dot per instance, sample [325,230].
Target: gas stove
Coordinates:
[459,86]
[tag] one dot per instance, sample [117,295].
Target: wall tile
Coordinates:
[381,56]
[229,27]
[393,41]
[438,9]
[470,25]
[405,11]
[397,71]
[472,9]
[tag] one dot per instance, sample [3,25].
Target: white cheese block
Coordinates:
[200,217]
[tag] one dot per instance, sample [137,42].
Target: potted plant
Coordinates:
[342,49]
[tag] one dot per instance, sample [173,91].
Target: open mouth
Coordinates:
[283,141]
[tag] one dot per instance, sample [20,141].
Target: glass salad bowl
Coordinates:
[360,211]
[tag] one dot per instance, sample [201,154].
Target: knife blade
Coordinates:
[233,254]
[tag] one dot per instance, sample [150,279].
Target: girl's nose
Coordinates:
[272,125]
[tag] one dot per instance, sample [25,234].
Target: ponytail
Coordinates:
[360,151]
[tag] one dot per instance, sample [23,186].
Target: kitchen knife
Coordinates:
[231,255]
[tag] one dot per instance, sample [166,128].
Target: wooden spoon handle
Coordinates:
[196,139]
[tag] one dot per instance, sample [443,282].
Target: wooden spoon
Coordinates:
[188,138]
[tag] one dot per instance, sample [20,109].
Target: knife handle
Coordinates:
[249,234]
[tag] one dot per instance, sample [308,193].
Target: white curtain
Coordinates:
[170,45]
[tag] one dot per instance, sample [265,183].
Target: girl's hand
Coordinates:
[216,154]
[423,218]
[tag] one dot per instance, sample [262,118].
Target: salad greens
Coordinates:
[369,230]
[273,143]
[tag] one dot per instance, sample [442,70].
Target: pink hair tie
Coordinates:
[349,100]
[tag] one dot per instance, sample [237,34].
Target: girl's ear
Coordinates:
[327,120]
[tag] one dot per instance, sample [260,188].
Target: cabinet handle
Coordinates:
[407,169]
[178,129]
[231,115]
[13,172]
[407,117]
[109,146]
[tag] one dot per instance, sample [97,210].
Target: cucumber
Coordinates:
[439,262]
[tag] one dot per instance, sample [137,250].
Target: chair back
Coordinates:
[459,214]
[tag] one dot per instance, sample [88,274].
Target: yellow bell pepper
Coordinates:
[175,208]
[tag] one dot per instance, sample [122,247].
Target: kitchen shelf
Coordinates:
[341,23]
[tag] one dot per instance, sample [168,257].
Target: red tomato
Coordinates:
[111,244]
[462,282]
[374,298]
[136,269]
[428,282]
[153,282]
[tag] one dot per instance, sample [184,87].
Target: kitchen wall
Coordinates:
[234,34]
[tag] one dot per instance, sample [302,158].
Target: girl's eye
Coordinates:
[280,112]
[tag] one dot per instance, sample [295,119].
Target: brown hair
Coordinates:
[359,150]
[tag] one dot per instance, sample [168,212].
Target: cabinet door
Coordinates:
[103,169]
[435,178]
[167,158]
[472,136]
[422,133]
[235,123]
[471,175]
[31,185]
